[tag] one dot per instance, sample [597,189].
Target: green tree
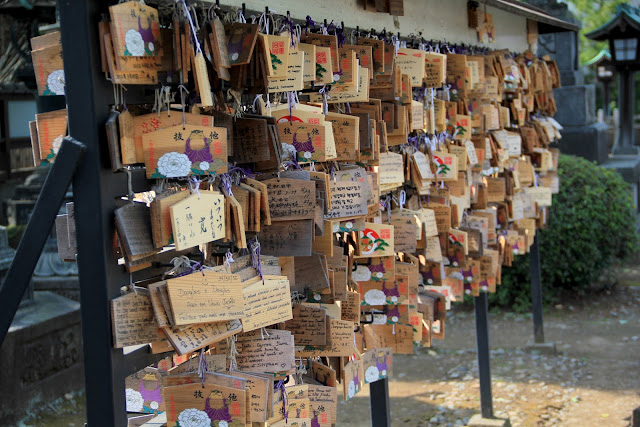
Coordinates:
[593,14]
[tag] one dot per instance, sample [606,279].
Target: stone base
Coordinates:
[478,421]
[543,348]
[590,142]
[41,356]
[576,105]
[635,417]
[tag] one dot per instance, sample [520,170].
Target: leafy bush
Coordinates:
[592,224]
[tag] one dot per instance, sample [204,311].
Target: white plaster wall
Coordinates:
[437,19]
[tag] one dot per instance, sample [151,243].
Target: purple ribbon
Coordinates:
[340,35]
[225,181]
[191,270]
[309,23]
[280,386]
[243,171]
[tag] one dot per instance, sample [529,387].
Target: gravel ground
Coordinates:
[593,380]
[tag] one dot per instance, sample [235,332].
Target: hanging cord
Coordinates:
[280,387]
[255,257]
[193,28]
[233,352]
[180,265]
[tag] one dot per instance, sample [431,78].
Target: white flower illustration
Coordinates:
[192,417]
[288,151]
[430,281]
[234,56]
[349,225]
[455,263]
[375,297]
[307,154]
[223,423]
[317,297]
[134,400]
[174,165]
[352,390]
[515,252]
[336,77]
[394,298]
[204,166]
[379,275]
[380,319]
[151,47]
[371,374]
[55,82]
[394,319]
[57,143]
[362,274]
[134,43]
[154,405]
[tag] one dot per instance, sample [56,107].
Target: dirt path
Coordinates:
[594,380]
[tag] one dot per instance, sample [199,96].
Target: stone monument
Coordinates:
[576,102]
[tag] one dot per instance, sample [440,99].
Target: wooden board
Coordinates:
[308,325]
[287,238]
[198,219]
[291,199]
[193,337]
[184,150]
[266,302]
[205,297]
[133,321]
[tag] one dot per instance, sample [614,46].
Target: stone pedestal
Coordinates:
[629,168]
[478,421]
[589,141]
[41,357]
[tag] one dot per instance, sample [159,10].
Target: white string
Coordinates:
[193,28]
[255,101]
[403,198]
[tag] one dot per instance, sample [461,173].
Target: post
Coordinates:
[605,98]
[481,306]
[625,143]
[379,398]
[536,291]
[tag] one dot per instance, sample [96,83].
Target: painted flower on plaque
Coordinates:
[192,417]
[134,400]
[174,165]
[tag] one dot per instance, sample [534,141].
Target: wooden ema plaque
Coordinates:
[133,320]
[185,150]
[266,302]
[206,297]
[291,199]
[308,325]
[190,338]
[200,218]
[340,340]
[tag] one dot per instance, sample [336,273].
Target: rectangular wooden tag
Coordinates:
[397,337]
[266,302]
[133,321]
[272,351]
[293,75]
[287,238]
[190,338]
[308,325]
[291,199]
[241,39]
[206,297]
[134,228]
[325,41]
[340,339]
[198,219]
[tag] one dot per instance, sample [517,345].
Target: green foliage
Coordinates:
[593,14]
[592,225]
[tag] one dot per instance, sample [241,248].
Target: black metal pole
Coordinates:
[481,306]
[380,409]
[44,215]
[94,190]
[536,291]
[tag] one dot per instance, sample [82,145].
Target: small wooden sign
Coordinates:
[266,302]
[287,238]
[377,364]
[185,150]
[206,297]
[136,29]
[397,337]
[308,325]
[200,218]
[190,338]
[133,321]
[340,339]
[347,200]
[291,199]
[376,240]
